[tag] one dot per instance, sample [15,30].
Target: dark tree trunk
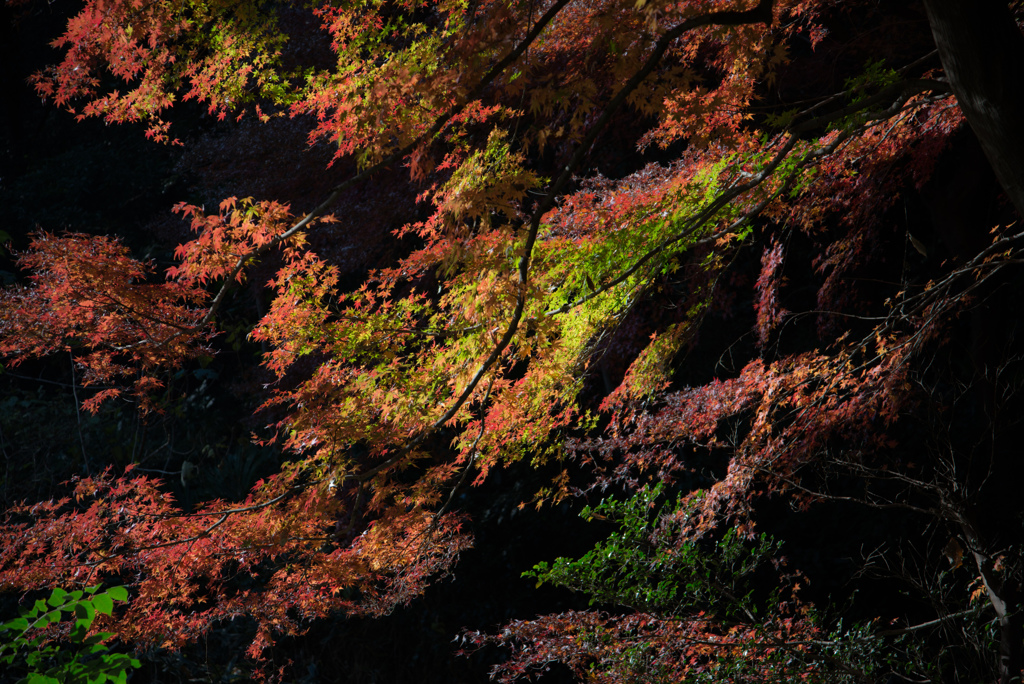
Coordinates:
[982,52]
[1003,595]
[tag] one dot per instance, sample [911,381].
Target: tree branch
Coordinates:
[429,135]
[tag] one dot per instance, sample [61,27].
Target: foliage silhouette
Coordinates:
[529,310]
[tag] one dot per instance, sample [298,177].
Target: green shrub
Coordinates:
[26,646]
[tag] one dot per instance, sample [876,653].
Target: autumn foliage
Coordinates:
[543,306]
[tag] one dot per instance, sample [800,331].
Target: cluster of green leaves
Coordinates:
[718,602]
[686,608]
[647,565]
[26,646]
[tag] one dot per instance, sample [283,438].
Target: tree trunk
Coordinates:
[982,53]
[1004,599]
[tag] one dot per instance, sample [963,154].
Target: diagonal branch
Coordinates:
[429,135]
[901,91]
[761,13]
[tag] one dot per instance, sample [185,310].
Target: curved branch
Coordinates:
[761,13]
[902,91]
[429,135]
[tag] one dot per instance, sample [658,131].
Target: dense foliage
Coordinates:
[25,649]
[696,262]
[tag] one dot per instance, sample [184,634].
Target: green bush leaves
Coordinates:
[26,646]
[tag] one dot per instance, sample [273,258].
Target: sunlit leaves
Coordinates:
[90,297]
[482,337]
[222,53]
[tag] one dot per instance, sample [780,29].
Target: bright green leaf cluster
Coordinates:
[647,566]
[25,645]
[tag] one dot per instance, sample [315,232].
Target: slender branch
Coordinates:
[925,625]
[762,12]
[238,509]
[427,136]
[470,457]
[904,90]
[205,533]
[846,93]
[694,224]
[878,505]
[9,374]
[163,545]
[78,414]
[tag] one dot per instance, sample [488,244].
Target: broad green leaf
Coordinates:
[17,624]
[103,604]
[85,612]
[118,593]
[39,678]
[58,597]
[93,639]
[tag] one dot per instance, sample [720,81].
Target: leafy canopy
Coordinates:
[520,275]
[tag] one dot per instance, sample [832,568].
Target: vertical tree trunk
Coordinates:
[1004,598]
[982,52]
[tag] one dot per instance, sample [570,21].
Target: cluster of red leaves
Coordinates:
[858,184]
[771,423]
[769,313]
[91,298]
[227,240]
[641,646]
[150,48]
[274,557]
